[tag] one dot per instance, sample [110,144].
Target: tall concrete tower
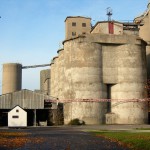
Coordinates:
[77,25]
[45,81]
[12,77]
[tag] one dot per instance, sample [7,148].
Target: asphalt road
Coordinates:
[60,138]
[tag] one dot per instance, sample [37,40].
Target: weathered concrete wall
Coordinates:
[110,64]
[83,73]
[45,81]
[12,77]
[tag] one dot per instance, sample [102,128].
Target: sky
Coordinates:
[31,31]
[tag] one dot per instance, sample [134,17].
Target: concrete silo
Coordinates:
[60,73]
[12,77]
[83,80]
[45,81]
[131,84]
[125,74]
[55,71]
[52,78]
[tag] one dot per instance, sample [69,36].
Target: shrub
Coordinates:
[76,121]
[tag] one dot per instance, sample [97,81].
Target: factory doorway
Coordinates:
[38,117]
[4,117]
[42,118]
[30,117]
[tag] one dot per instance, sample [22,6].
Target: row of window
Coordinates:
[74,24]
[74,33]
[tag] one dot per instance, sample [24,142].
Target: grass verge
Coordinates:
[136,141]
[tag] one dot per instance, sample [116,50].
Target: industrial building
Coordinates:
[106,61]
[37,105]
[102,65]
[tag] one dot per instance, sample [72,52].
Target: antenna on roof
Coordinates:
[109,13]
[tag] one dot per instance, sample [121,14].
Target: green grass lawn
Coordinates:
[136,141]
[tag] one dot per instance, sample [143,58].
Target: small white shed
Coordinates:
[17,117]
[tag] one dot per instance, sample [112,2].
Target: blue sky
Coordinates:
[32,30]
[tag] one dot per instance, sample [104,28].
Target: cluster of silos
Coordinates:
[78,73]
[57,75]
[11,78]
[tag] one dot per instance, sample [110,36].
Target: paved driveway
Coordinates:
[59,138]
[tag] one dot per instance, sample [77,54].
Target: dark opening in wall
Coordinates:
[109,97]
[74,24]
[83,24]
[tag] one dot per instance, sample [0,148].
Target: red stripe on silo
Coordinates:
[111,27]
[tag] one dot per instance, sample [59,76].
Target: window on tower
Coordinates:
[73,24]
[83,24]
[73,33]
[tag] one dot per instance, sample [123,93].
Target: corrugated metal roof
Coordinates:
[25,98]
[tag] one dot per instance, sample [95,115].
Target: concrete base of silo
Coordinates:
[110,118]
[89,112]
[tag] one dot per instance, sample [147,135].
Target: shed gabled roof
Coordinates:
[15,107]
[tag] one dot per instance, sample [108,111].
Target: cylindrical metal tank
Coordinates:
[12,77]
[45,81]
[83,80]
[131,85]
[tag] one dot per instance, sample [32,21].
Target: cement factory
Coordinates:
[109,61]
